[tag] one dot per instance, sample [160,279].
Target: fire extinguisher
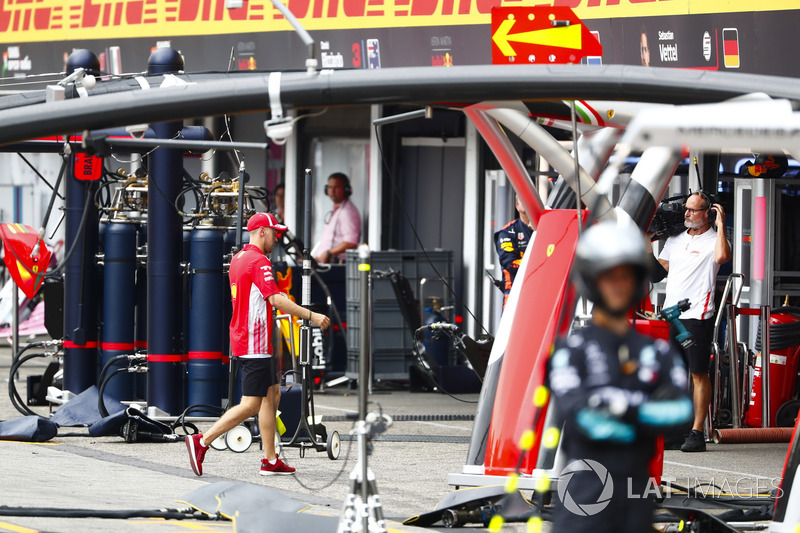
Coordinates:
[784,342]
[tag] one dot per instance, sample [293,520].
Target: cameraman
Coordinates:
[692,260]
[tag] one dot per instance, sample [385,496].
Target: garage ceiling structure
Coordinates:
[206,95]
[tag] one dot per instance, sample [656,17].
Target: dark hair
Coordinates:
[341,176]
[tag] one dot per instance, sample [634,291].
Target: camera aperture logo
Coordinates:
[585,509]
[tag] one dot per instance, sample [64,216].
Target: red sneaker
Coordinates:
[197,452]
[278,469]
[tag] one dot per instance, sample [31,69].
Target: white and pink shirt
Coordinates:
[344,226]
[692,272]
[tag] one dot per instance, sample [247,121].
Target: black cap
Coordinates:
[164,60]
[83,58]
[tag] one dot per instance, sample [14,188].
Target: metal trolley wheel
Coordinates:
[333,445]
[219,443]
[239,439]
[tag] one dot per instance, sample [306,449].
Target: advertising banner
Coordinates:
[37,35]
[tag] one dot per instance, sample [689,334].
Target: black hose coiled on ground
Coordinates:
[16,362]
[188,427]
[783,335]
[104,378]
[39,344]
[101,405]
[108,365]
[13,394]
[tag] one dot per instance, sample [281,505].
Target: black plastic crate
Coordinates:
[386,365]
[389,329]
[413,264]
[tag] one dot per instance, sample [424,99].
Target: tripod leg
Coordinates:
[351,512]
[375,507]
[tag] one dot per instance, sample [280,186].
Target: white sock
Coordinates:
[272,463]
[203,443]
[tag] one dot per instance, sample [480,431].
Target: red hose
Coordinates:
[744,435]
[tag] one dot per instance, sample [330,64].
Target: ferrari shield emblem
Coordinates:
[27,270]
[550,249]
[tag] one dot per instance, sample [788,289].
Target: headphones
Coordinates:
[348,190]
[710,200]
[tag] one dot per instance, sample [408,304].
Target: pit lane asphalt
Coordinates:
[82,472]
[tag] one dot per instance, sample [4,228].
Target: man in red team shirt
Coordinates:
[254,294]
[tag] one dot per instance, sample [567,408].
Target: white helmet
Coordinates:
[605,246]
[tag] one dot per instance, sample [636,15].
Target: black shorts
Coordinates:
[697,356]
[258,375]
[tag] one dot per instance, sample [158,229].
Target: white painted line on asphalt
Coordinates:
[444,425]
[418,422]
[334,408]
[717,470]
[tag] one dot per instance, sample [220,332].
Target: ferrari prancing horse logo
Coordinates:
[550,249]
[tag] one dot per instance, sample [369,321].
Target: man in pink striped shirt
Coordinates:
[342,224]
[254,295]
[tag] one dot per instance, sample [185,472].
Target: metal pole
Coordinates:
[371,366]
[306,297]
[765,404]
[14,322]
[512,165]
[363,377]
[238,244]
[240,208]
[184,144]
[305,326]
[733,366]
[577,183]
[577,170]
[535,136]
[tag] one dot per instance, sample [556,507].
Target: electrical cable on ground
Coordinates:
[336,477]
[53,512]
[13,394]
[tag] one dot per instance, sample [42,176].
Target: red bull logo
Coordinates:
[764,167]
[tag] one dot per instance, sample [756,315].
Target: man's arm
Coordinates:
[350,229]
[282,303]
[340,248]
[722,248]
[663,262]
[507,253]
